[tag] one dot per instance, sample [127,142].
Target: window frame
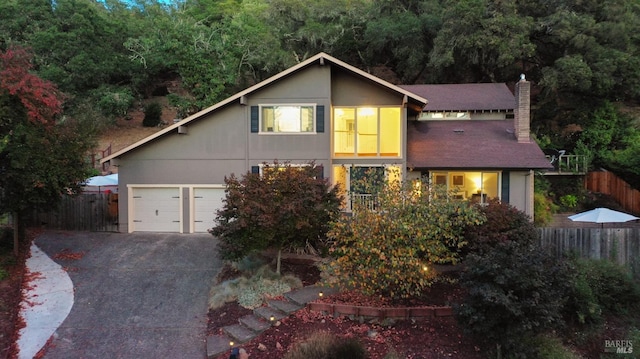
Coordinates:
[314,120]
[379,133]
[462,189]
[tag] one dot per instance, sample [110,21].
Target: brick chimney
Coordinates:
[522,113]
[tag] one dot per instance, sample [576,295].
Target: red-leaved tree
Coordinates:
[40,98]
[40,160]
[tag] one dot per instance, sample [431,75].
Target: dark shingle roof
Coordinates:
[465,97]
[470,144]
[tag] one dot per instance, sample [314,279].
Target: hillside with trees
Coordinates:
[582,56]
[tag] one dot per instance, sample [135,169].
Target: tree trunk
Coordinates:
[16,234]
[278,260]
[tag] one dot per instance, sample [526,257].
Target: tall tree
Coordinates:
[399,35]
[481,41]
[40,159]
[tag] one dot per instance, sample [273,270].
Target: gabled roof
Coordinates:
[320,58]
[470,145]
[465,97]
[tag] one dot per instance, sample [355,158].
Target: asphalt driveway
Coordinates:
[136,295]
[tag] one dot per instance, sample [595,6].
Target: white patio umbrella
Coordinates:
[602,215]
[101,181]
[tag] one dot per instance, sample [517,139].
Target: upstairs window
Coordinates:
[287,119]
[367,132]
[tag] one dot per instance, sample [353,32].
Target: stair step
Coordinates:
[267,312]
[284,306]
[305,295]
[217,344]
[239,332]
[257,325]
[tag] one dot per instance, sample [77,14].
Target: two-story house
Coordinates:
[345,120]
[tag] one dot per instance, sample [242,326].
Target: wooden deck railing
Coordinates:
[568,164]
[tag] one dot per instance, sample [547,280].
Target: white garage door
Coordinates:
[156,210]
[206,201]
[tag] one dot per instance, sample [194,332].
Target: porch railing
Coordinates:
[364,200]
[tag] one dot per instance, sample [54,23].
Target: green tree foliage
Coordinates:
[81,47]
[612,140]
[389,248]
[112,101]
[40,160]
[392,31]
[285,206]
[515,292]
[576,52]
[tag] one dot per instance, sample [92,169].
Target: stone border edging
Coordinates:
[381,312]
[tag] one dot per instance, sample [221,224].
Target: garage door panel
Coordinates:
[206,202]
[156,210]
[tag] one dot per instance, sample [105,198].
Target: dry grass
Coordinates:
[129,131]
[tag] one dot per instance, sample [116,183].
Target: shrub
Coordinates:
[515,291]
[543,209]
[322,345]
[503,223]
[569,201]
[543,206]
[389,250]
[252,291]
[600,287]
[113,101]
[285,206]
[3,274]
[152,115]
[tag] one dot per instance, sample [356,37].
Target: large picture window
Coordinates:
[287,119]
[366,132]
[474,186]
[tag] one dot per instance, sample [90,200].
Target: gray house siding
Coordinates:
[348,90]
[311,86]
[185,164]
[222,143]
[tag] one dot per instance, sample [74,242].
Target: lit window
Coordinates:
[287,119]
[367,132]
[474,186]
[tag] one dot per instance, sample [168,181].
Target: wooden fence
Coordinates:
[608,183]
[621,245]
[85,212]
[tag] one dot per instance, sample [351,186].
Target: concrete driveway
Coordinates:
[136,295]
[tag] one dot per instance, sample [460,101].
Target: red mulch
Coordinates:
[424,338]
[429,338]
